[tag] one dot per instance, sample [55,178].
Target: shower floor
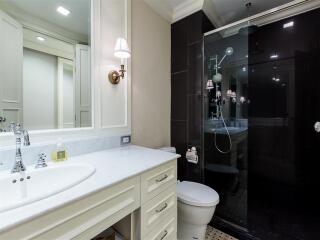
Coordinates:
[215,234]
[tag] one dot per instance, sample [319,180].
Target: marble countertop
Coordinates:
[112,166]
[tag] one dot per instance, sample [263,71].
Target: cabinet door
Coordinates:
[83,89]
[11,57]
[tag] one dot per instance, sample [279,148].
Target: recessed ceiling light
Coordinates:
[41,39]
[289,24]
[273,56]
[63,11]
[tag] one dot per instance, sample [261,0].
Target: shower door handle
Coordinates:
[317,127]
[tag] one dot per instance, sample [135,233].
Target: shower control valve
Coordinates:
[317,127]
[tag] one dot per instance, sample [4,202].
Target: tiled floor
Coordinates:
[215,234]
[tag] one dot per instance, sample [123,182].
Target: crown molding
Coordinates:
[209,9]
[162,8]
[173,14]
[186,8]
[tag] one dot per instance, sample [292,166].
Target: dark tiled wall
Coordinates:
[186,89]
[283,147]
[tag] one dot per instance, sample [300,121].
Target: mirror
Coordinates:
[45,64]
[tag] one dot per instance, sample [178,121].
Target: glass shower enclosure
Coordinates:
[261,92]
[226,122]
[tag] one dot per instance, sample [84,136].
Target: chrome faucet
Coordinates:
[19,132]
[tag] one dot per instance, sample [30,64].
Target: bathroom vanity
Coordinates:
[132,183]
[59,90]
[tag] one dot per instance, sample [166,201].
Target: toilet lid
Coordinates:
[197,194]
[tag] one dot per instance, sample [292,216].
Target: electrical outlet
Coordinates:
[125,140]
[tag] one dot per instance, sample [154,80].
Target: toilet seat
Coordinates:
[197,194]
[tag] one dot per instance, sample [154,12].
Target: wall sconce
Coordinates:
[210,84]
[121,50]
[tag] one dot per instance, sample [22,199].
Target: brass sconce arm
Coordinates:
[122,71]
[114,76]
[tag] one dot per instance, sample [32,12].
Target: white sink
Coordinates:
[231,130]
[40,183]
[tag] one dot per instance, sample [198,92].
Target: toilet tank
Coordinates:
[168,149]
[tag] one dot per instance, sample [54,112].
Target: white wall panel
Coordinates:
[115,111]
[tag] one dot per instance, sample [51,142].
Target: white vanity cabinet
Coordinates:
[159,203]
[150,198]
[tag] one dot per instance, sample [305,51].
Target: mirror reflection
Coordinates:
[226,121]
[45,64]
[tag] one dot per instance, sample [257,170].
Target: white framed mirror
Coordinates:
[45,75]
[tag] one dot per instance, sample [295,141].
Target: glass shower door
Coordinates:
[261,137]
[226,123]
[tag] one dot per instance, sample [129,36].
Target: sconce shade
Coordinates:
[121,50]
[210,84]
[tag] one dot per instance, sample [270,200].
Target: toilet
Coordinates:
[196,206]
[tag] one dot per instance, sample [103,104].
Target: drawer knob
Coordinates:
[163,208]
[162,178]
[165,233]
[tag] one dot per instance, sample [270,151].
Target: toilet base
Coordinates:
[188,231]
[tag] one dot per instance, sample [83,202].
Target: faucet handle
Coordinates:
[41,163]
[12,126]
[26,139]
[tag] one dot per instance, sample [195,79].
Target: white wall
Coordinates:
[39,90]
[151,86]
[114,98]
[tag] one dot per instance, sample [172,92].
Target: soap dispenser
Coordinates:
[60,153]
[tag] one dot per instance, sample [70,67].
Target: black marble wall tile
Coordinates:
[178,140]
[194,119]
[186,89]
[195,68]
[179,41]
[179,96]
[283,145]
[195,27]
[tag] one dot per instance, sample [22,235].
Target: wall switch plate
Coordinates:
[125,140]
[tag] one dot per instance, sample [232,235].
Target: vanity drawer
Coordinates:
[156,180]
[157,209]
[166,230]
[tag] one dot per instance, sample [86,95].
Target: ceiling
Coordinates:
[233,10]
[77,21]
[220,12]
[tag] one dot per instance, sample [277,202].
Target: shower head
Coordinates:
[229,51]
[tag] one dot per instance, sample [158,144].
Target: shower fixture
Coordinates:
[217,77]
[219,100]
